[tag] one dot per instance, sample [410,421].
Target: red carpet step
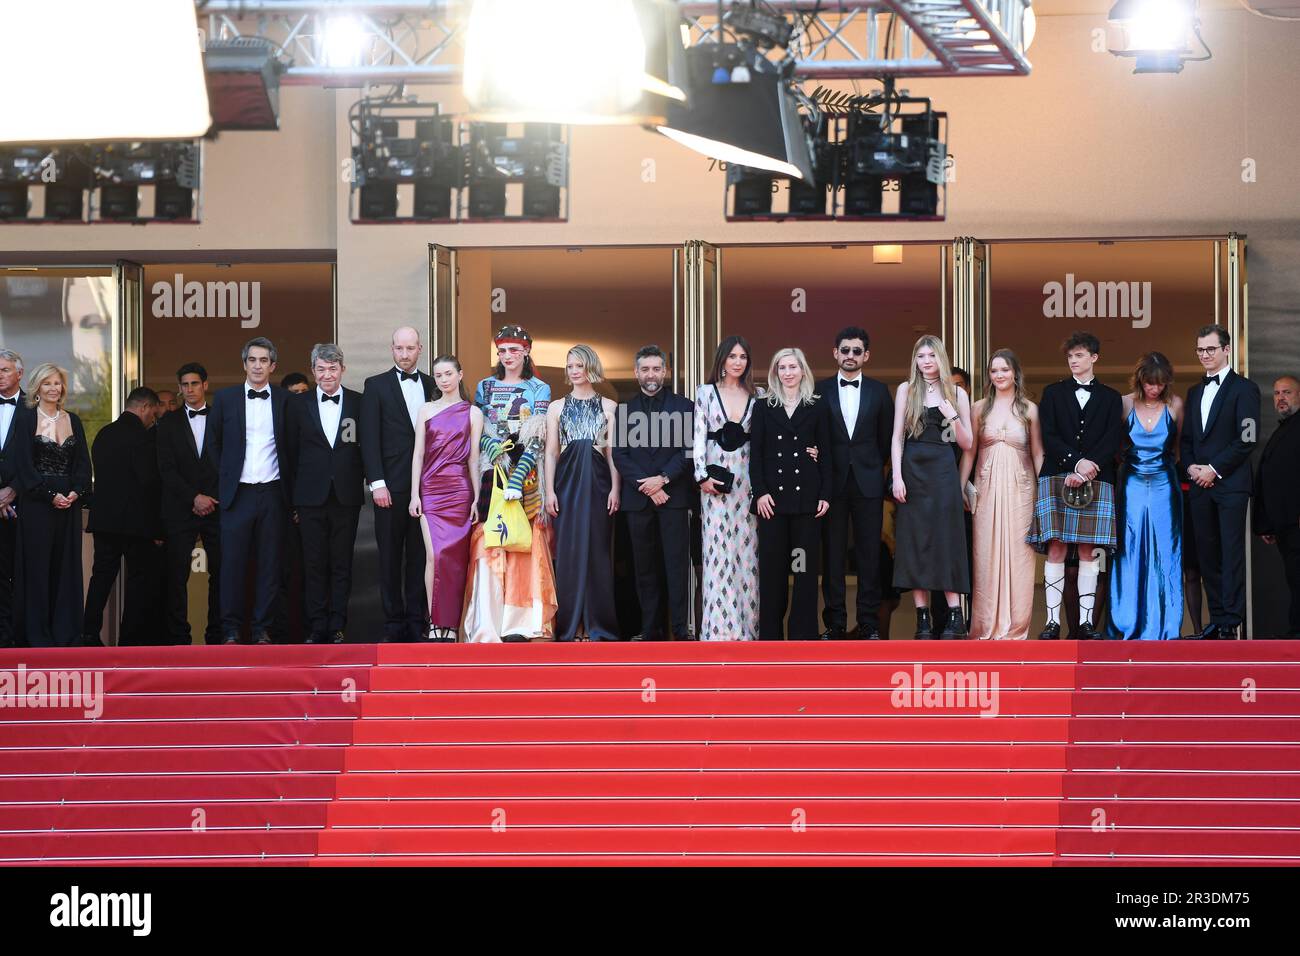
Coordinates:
[901,753]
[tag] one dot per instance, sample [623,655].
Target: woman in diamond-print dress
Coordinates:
[723,409]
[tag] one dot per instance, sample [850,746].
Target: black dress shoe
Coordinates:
[1089,633]
[337,638]
[688,636]
[1228,634]
[648,637]
[954,628]
[261,637]
[317,639]
[1051,633]
[866,633]
[1209,633]
[924,627]
[230,639]
[514,639]
[831,634]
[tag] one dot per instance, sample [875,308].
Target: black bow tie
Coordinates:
[408,376]
[1210,378]
[10,401]
[329,398]
[201,411]
[253,394]
[1086,388]
[846,383]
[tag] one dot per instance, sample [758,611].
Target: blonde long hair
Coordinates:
[776,391]
[1020,401]
[915,419]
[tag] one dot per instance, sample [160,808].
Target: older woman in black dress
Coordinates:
[54,477]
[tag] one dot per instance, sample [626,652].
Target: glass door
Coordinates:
[442,301]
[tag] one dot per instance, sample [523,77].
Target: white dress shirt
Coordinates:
[1209,392]
[261,461]
[1082,394]
[7,417]
[850,400]
[330,413]
[199,424]
[413,392]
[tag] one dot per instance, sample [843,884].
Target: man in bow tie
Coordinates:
[246,435]
[189,504]
[862,425]
[1217,441]
[12,409]
[323,450]
[390,405]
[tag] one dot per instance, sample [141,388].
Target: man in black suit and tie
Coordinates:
[650,454]
[862,426]
[12,408]
[389,406]
[1217,440]
[1276,516]
[189,504]
[326,477]
[245,436]
[125,520]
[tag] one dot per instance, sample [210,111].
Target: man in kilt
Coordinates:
[1083,425]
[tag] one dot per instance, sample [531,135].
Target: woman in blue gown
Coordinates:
[1146,589]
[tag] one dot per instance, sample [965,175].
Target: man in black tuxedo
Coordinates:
[1276,515]
[389,406]
[326,477]
[189,505]
[1218,438]
[1082,422]
[650,453]
[862,426]
[245,436]
[126,521]
[12,410]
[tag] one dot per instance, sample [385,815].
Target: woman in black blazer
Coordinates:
[790,473]
[54,475]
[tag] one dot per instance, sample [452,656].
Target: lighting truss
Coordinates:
[422,41]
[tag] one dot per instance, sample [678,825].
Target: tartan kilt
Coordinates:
[1054,520]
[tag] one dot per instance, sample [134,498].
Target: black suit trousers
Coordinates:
[328,533]
[1288,545]
[1220,519]
[141,588]
[661,540]
[8,545]
[252,530]
[401,571]
[788,544]
[180,550]
[866,516]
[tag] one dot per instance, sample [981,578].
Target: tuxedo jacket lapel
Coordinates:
[1218,400]
[837,410]
[863,401]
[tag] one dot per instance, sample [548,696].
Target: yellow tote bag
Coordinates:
[506,526]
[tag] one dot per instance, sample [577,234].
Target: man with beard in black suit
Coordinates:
[1276,515]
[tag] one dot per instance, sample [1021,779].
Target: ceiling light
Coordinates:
[97,71]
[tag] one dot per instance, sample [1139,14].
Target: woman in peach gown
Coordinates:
[1010,455]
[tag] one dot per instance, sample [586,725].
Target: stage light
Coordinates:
[99,71]
[1157,33]
[243,77]
[570,61]
[343,41]
[1029,28]
[755,124]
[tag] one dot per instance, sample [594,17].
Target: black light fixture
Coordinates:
[741,109]
[537,160]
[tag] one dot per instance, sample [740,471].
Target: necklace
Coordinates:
[49,418]
[1155,413]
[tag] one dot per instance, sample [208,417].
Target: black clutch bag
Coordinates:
[725,480]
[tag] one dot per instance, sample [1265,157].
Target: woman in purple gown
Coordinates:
[447,499]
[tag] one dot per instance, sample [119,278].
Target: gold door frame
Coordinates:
[442,302]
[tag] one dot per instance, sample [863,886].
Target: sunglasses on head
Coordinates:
[845,350]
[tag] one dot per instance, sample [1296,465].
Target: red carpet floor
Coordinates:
[1088,754]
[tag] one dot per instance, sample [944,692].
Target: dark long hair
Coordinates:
[456,362]
[720,359]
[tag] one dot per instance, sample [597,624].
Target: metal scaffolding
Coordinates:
[421,41]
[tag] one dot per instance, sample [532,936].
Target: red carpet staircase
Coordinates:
[1105,753]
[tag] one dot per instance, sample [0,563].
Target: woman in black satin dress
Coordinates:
[53,477]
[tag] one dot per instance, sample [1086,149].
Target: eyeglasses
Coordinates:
[845,350]
[1208,350]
